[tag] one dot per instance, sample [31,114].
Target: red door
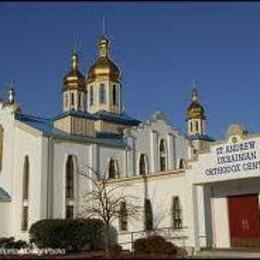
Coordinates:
[244,220]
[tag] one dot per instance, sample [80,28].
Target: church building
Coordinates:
[201,192]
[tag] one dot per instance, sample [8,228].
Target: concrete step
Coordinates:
[228,253]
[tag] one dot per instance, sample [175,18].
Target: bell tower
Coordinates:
[104,82]
[74,87]
[195,116]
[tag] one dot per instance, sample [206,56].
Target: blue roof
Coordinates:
[4,196]
[76,114]
[46,126]
[201,137]
[117,118]
[102,115]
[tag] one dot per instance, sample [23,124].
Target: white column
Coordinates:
[171,155]
[196,241]
[154,151]
[130,154]
[201,217]
[221,223]
[126,163]
[94,159]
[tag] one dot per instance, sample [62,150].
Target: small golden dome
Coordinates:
[195,110]
[74,79]
[104,67]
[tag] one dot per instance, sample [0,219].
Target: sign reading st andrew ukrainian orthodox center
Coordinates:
[236,157]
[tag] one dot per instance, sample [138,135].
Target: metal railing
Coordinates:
[169,233]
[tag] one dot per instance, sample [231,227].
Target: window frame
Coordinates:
[102,94]
[123,217]
[176,213]
[144,166]
[69,178]
[91,96]
[115,173]
[114,95]
[163,155]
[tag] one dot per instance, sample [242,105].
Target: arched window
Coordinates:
[142,164]
[26,178]
[91,101]
[1,146]
[25,195]
[102,94]
[176,213]
[112,169]
[66,100]
[114,95]
[79,99]
[72,99]
[25,216]
[197,126]
[191,126]
[181,163]
[163,156]
[69,187]
[123,223]
[69,178]
[148,215]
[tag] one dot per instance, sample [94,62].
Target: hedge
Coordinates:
[69,234]
[10,243]
[154,245]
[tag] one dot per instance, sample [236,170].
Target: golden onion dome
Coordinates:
[104,67]
[195,110]
[74,79]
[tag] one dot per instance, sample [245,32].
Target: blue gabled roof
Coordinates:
[4,195]
[76,114]
[46,126]
[117,118]
[201,137]
[122,118]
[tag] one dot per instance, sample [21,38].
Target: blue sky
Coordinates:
[160,48]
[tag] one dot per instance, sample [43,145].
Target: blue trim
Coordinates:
[4,195]
[201,137]
[117,118]
[108,135]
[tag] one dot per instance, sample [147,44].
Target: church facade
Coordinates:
[193,184]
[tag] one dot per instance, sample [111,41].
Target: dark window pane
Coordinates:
[69,178]
[148,215]
[79,100]
[112,169]
[123,216]
[25,218]
[177,220]
[102,94]
[91,96]
[72,99]
[142,165]
[69,212]
[26,178]
[114,95]
[162,163]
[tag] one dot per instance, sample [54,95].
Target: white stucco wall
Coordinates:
[5,219]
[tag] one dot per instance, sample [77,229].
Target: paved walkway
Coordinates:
[228,253]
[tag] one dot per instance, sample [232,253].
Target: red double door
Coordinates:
[244,220]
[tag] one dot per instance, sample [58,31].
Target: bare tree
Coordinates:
[104,200]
